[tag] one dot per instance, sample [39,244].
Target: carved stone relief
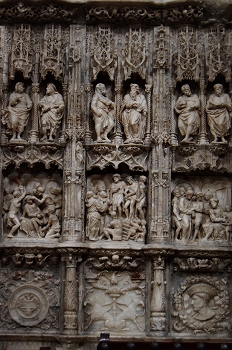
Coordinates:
[201,306]
[201,213]
[29,298]
[114,302]
[116,208]
[32,210]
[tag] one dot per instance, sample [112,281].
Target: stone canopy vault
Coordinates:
[116,147]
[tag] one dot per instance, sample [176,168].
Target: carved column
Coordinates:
[203,135]
[70,295]
[118,102]
[5,93]
[148,126]
[88,134]
[174,141]
[65,96]
[158,304]
[35,122]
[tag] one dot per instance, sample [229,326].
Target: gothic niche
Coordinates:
[15,116]
[103,111]
[32,205]
[51,112]
[187,108]
[201,211]
[116,208]
[134,112]
[218,109]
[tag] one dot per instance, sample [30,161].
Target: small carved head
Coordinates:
[19,87]
[51,89]
[218,88]
[134,88]
[186,89]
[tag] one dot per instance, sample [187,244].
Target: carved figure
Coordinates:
[15,204]
[216,227]
[103,113]
[228,217]
[130,197]
[218,108]
[198,208]
[57,200]
[16,115]
[53,225]
[187,107]
[176,217]
[201,295]
[117,194]
[113,229]
[42,198]
[31,218]
[141,198]
[52,107]
[185,208]
[134,112]
[94,208]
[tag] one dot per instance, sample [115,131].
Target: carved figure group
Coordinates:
[16,115]
[117,213]
[36,214]
[133,114]
[218,110]
[197,215]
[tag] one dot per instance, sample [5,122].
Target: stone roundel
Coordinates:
[28,305]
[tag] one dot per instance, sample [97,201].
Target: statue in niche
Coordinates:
[134,112]
[51,108]
[218,108]
[185,209]
[31,218]
[15,204]
[187,107]
[17,113]
[103,113]
[216,228]
[117,194]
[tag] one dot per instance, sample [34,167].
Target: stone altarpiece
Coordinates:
[115,173]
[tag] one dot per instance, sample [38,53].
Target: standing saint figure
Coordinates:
[52,107]
[16,114]
[187,107]
[218,108]
[134,112]
[103,113]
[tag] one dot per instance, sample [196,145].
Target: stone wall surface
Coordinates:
[115,166]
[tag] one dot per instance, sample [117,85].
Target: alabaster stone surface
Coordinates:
[115,166]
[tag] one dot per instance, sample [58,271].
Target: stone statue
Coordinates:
[117,194]
[187,107]
[185,209]
[176,213]
[52,229]
[15,204]
[130,197]
[16,115]
[216,227]
[141,198]
[218,108]
[31,218]
[134,112]
[51,107]
[94,208]
[198,208]
[113,229]
[103,113]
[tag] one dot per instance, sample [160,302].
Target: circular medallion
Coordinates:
[28,305]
